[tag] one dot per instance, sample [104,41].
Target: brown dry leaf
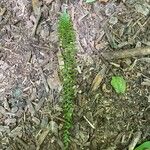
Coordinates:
[98,78]
[96,82]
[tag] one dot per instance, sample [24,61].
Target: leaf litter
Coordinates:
[112,117]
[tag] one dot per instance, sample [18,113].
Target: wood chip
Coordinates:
[40,104]
[41,138]
[54,81]
[104,1]
[31,108]
[48,1]
[44,80]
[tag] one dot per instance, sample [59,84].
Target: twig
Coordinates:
[127,53]
[37,12]
[135,140]
[36,24]
[89,122]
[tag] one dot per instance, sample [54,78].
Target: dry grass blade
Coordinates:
[92,126]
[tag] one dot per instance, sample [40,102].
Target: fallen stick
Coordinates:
[135,140]
[37,11]
[127,53]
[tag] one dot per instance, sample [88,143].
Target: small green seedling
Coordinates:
[144,146]
[90,1]
[119,84]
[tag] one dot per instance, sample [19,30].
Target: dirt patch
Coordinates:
[30,103]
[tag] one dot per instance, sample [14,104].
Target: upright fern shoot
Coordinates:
[67,43]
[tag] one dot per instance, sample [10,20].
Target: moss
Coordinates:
[68,73]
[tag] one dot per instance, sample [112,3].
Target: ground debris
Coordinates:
[135,140]
[31,113]
[127,53]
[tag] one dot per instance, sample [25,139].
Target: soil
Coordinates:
[30,103]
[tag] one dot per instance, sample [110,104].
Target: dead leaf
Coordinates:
[96,82]
[98,78]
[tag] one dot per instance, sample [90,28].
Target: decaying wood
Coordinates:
[127,53]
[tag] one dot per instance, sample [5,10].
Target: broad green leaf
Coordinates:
[119,84]
[144,146]
[90,1]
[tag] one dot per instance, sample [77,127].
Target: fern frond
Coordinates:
[67,42]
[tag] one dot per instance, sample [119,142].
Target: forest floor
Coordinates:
[30,104]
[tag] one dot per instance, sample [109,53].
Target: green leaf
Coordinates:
[119,84]
[90,1]
[144,146]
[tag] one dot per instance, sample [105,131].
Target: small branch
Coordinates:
[135,140]
[89,122]
[37,11]
[36,24]
[127,53]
